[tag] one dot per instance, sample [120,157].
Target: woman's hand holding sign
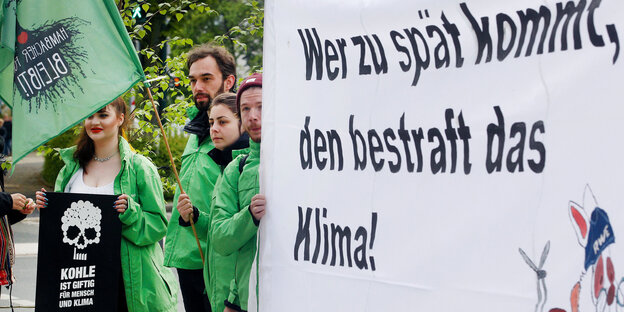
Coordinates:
[122,203]
[40,199]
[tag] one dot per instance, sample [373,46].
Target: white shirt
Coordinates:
[76,185]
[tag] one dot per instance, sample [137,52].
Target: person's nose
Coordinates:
[255,114]
[200,87]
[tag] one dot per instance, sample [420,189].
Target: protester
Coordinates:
[238,208]
[212,71]
[228,142]
[13,208]
[103,163]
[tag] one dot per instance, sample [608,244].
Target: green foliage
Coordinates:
[177,142]
[171,102]
[157,152]
[247,35]
[52,162]
[178,25]
[237,25]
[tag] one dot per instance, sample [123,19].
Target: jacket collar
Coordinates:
[67,154]
[199,124]
[125,150]
[241,143]
[254,149]
[192,111]
[193,146]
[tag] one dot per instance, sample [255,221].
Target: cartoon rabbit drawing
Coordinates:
[542,293]
[595,234]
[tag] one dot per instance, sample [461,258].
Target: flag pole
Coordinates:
[175,171]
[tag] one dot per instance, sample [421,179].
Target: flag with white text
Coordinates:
[60,61]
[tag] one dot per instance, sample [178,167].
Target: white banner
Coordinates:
[442,156]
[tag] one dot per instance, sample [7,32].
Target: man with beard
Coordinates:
[212,71]
[238,206]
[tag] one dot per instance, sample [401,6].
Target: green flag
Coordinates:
[61,61]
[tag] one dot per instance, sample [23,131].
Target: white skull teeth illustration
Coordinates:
[81,224]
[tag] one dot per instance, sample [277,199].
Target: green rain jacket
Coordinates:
[234,229]
[148,284]
[198,175]
[218,269]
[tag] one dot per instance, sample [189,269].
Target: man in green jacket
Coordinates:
[212,71]
[238,207]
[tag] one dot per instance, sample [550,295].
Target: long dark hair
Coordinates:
[85,149]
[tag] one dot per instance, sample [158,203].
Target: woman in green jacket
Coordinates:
[228,142]
[103,163]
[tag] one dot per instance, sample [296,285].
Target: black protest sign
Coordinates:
[78,265]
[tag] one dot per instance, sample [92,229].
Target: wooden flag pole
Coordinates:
[175,171]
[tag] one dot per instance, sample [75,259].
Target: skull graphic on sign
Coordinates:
[81,224]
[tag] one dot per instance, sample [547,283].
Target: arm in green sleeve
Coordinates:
[231,227]
[144,221]
[201,218]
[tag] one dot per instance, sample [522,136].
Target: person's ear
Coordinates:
[121,119]
[229,82]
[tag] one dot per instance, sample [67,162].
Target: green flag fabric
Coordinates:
[61,61]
